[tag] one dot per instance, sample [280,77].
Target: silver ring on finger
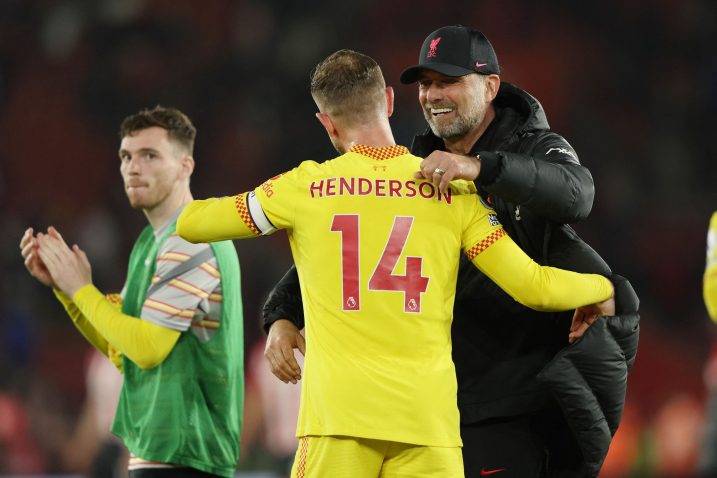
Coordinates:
[439,171]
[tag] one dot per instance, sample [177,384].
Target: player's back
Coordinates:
[377,254]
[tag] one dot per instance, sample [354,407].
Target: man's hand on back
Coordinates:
[283,338]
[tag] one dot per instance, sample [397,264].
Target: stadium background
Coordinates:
[631,84]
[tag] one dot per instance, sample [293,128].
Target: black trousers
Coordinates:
[528,446]
[170,473]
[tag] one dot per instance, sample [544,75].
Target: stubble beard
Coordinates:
[460,126]
[138,203]
[149,201]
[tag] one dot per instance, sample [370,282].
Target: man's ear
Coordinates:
[389,100]
[187,166]
[328,125]
[492,87]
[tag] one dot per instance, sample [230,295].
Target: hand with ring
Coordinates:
[442,167]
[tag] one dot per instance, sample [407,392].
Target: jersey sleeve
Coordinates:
[87,330]
[543,288]
[278,197]
[259,212]
[710,277]
[174,304]
[218,219]
[168,311]
[481,227]
[143,342]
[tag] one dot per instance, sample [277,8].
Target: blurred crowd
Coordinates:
[632,85]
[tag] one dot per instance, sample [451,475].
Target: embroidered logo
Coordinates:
[479,64]
[432,47]
[484,472]
[561,150]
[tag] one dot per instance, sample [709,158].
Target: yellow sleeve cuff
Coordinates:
[81,323]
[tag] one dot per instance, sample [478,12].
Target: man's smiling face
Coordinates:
[452,105]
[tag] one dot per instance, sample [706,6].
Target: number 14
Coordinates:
[412,283]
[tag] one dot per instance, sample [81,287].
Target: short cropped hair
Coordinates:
[178,125]
[349,85]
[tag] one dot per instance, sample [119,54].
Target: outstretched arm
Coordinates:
[538,287]
[219,219]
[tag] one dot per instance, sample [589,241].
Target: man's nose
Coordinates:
[133,165]
[433,93]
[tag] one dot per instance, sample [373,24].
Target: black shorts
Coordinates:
[527,446]
[170,473]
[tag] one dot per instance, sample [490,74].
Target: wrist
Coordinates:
[490,165]
[283,323]
[76,290]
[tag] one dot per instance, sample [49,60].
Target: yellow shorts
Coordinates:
[351,457]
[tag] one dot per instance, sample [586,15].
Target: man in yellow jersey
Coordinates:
[519,415]
[710,278]
[377,254]
[708,456]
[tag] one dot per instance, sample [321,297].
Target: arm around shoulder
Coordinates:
[539,287]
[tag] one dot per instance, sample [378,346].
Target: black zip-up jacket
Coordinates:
[533,179]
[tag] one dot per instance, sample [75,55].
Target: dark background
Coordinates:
[632,85]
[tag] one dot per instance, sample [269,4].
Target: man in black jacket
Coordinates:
[523,412]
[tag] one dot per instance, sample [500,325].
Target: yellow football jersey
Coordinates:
[377,258]
[377,254]
[709,289]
